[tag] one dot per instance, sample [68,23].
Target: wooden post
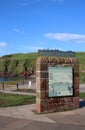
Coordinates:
[17,86]
[2,85]
[23,80]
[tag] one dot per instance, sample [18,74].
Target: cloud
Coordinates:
[78,38]
[3,45]
[17,30]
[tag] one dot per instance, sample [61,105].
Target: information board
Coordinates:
[60,81]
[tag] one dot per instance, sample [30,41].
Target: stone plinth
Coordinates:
[44,103]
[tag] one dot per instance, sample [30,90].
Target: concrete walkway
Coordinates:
[25,118]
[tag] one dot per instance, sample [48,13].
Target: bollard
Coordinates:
[29,84]
[23,80]
[3,86]
[17,86]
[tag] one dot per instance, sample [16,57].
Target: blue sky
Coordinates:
[29,25]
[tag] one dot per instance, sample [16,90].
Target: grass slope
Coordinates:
[81,58]
[15,100]
[16,63]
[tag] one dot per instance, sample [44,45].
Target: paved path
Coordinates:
[23,118]
[82,87]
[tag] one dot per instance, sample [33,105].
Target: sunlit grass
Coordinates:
[82,95]
[15,100]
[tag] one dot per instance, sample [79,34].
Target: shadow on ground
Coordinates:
[82,103]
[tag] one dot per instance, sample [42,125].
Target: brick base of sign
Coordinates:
[46,104]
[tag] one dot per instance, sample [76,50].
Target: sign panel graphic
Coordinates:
[60,81]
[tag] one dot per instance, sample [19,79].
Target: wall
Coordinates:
[44,103]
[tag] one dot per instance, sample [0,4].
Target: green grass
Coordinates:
[82,95]
[15,64]
[15,100]
[22,56]
[81,58]
[82,78]
[26,90]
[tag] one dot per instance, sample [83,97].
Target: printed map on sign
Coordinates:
[60,81]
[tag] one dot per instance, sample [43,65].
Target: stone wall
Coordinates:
[44,103]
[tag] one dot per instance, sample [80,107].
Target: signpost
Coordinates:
[57,82]
[60,81]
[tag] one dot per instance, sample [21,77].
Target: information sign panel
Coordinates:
[60,81]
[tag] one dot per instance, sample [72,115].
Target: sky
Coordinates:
[29,25]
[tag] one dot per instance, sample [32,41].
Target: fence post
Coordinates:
[2,85]
[23,80]
[17,86]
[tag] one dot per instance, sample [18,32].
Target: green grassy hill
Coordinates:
[81,58]
[15,64]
